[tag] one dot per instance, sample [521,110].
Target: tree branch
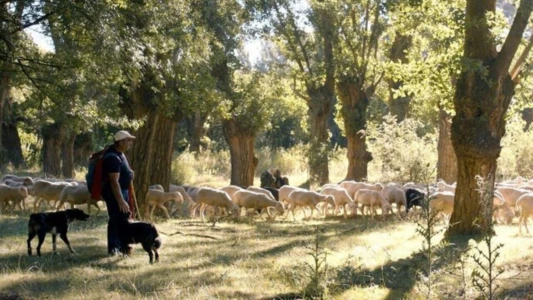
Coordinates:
[35,22]
[506,55]
[520,62]
[296,92]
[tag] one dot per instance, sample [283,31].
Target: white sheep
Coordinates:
[231,190]
[502,210]
[443,203]
[187,199]
[302,198]
[511,195]
[49,191]
[216,198]
[442,186]
[17,195]
[156,198]
[352,187]
[525,206]
[372,198]
[285,191]
[26,181]
[77,195]
[395,194]
[342,199]
[252,200]
[261,191]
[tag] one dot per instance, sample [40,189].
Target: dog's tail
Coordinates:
[157,240]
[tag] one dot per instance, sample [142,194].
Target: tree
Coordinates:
[483,92]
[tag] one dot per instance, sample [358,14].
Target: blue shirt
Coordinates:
[116,162]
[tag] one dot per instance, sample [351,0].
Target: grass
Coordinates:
[261,260]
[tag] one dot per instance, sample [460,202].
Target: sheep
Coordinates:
[77,195]
[261,191]
[46,190]
[187,200]
[302,198]
[231,190]
[442,186]
[443,203]
[511,195]
[525,206]
[250,199]
[15,194]
[212,197]
[371,198]
[156,187]
[502,210]
[156,198]
[414,197]
[352,187]
[395,194]
[341,199]
[274,192]
[285,191]
[26,181]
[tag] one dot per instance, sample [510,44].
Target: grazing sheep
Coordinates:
[301,198]
[525,206]
[49,191]
[274,192]
[261,191]
[156,198]
[511,195]
[442,186]
[502,210]
[156,187]
[15,194]
[352,187]
[77,195]
[342,199]
[442,202]
[216,198]
[413,197]
[395,194]
[26,181]
[285,191]
[231,190]
[372,198]
[249,199]
[187,200]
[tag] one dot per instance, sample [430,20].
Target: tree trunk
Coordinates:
[241,147]
[447,161]
[354,105]
[195,132]
[12,145]
[4,95]
[52,139]
[482,97]
[318,113]
[67,156]
[399,105]
[151,155]
[82,149]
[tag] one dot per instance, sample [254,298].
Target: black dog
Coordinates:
[55,223]
[414,197]
[139,232]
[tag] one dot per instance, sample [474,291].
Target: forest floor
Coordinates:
[367,259]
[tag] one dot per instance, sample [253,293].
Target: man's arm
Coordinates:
[115,187]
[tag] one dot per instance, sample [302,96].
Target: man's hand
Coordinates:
[123,206]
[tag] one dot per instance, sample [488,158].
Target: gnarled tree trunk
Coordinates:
[482,97]
[354,105]
[67,156]
[319,108]
[195,132]
[12,145]
[82,149]
[447,161]
[52,139]
[243,160]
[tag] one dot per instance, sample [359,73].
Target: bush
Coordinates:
[517,151]
[399,153]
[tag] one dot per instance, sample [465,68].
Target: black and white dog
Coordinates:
[55,223]
[134,232]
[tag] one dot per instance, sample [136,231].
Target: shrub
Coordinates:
[399,153]
[517,151]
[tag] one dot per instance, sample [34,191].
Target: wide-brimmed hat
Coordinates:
[123,134]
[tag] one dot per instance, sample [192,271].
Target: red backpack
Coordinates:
[94,176]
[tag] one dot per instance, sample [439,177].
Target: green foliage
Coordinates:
[186,168]
[317,270]
[517,151]
[400,153]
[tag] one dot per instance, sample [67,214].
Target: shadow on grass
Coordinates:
[399,276]
[522,291]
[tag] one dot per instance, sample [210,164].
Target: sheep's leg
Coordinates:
[164,209]
[292,211]
[526,216]
[344,211]
[203,206]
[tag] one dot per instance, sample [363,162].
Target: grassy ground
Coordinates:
[368,259]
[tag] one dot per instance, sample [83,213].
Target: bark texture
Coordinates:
[243,160]
[399,105]
[52,135]
[447,161]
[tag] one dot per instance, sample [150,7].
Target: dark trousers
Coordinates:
[115,216]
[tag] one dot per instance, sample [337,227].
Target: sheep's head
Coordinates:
[280,208]
[176,196]
[386,209]
[23,191]
[234,210]
[330,200]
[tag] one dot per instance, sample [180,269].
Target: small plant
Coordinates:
[485,272]
[318,268]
